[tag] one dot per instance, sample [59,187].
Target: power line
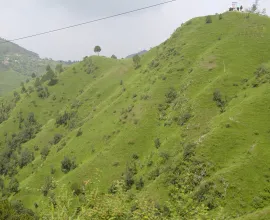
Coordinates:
[88,22]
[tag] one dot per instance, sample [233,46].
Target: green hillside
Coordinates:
[17,65]
[183,136]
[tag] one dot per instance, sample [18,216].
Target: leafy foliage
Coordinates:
[136,61]
[68,164]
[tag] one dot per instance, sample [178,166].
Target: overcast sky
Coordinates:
[120,36]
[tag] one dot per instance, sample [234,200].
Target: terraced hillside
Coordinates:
[188,126]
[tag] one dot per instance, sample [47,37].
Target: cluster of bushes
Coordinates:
[119,204]
[15,210]
[12,156]
[50,76]
[221,103]
[5,109]
[262,75]
[89,65]
[67,119]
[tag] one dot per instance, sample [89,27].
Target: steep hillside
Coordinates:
[188,126]
[17,65]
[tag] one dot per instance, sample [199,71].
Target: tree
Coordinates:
[68,164]
[49,184]
[241,8]
[13,185]
[44,152]
[26,157]
[136,61]
[97,49]
[37,82]
[59,68]
[254,7]
[220,17]
[33,75]
[208,19]
[113,57]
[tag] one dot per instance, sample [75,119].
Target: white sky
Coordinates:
[120,36]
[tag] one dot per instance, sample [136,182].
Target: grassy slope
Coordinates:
[239,152]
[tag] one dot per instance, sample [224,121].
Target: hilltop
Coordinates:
[18,64]
[189,126]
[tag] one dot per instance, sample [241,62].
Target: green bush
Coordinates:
[13,185]
[208,19]
[25,158]
[79,132]
[189,150]
[56,139]
[157,143]
[48,185]
[140,184]
[68,164]
[220,17]
[44,152]
[171,95]
[76,189]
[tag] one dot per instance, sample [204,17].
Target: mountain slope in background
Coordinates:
[17,64]
[190,126]
[139,53]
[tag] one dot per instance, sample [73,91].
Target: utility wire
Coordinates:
[88,22]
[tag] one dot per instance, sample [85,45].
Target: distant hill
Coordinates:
[140,53]
[17,64]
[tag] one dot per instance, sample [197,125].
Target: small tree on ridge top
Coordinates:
[97,49]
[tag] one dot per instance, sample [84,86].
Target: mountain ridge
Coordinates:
[185,126]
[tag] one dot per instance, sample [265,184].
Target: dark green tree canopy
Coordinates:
[97,49]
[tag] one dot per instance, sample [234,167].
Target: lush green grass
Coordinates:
[198,59]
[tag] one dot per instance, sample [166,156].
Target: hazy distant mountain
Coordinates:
[140,53]
[17,64]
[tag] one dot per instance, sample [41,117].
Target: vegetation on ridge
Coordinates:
[181,134]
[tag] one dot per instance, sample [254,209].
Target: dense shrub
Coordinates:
[208,19]
[131,170]
[53,82]
[171,95]
[135,156]
[44,152]
[189,150]
[217,97]
[48,185]
[25,158]
[140,184]
[157,143]
[65,118]
[15,211]
[56,139]
[220,17]
[42,92]
[76,189]
[13,185]
[68,164]
[184,118]
[79,132]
